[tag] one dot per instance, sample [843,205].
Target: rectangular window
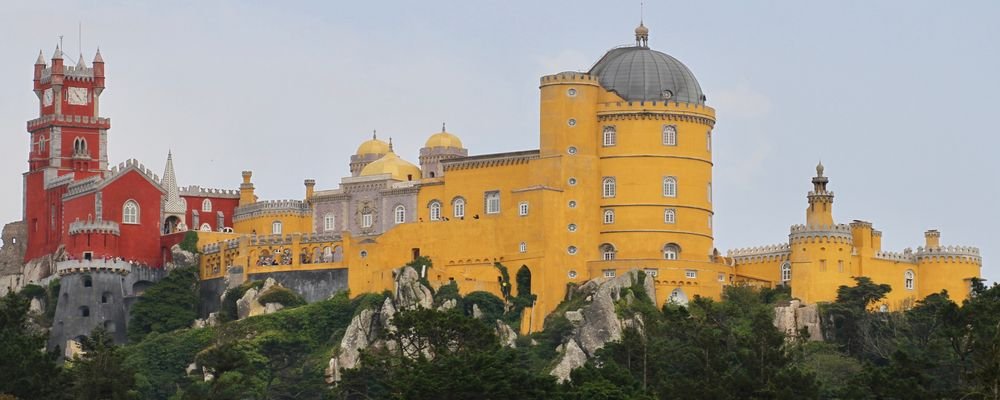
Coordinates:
[492,202]
[822,265]
[366,220]
[690,274]
[522,208]
[840,265]
[708,140]
[653,272]
[710,192]
[609,136]
[722,277]
[669,135]
[609,273]
[523,247]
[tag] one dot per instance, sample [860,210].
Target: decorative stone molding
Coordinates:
[490,160]
[272,207]
[654,115]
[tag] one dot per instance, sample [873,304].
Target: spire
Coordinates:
[174,204]
[97,57]
[41,59]
[442,127]
[390,145]
[373,135]
[81,63]
[58,54]
[641,31]
[819,169]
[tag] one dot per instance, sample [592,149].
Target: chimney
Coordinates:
[933,239]
[310,185]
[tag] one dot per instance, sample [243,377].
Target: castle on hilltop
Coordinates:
[621,180]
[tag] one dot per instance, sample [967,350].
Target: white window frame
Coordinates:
[435,210]
[206,205]
[609,216]
[786,272]
[367,219]
[493,202]
[276,227]
[458,207]
[610,136]
[671,252]
[522,208]
[670,216]
[669,135]
[523,247]
[691,274]
[909,278]
[669,186]
[607,252]
[608,187]
[130,212]
[205,227]
[652,272]
[329,223]
[609,273]
[399,214]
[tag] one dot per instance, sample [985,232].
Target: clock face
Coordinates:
[77,96]
[47,97]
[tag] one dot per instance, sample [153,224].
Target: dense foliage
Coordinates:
[190,242]
[26,371]
[170,304]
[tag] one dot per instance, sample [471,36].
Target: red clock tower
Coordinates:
[68,143]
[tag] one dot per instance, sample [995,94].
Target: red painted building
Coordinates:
[73,200]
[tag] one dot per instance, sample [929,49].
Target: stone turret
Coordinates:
[820,211]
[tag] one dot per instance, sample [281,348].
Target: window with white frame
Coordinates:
[206,205]
[609,216]
[458,207]
[205,227]
[367,218]
[435,210]
[669,186]
[908,278]
[609,273]
[653,272]
[523,247]
[669,216]
[522,208]
[276,228]
[671,251]
[399,214]
[609,136]
[492,202]
[690,274]
[786,272]
[130,212]
[710,192]
[328,222]
[669,135]
[608,187]
[607,252]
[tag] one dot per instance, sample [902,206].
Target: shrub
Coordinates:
[284,296]
[490,305]
[190,242]
[33,291]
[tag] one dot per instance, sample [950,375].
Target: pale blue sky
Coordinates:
[894,96]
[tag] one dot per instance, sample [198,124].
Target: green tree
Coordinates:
[99,373]
[27,371]
[190,242]
[170,304]
[846,320]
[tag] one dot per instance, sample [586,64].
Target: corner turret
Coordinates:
[820,211]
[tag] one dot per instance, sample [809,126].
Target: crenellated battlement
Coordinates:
[272,207]
[86,266]
[967,254]
[568,77]
[906,256]
[100,226]
[70,72]
[760,253]
[78,120]
[195,190]
[836,232]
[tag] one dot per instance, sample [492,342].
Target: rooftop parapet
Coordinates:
[906,256]
[272,207]
[759,253]
[77,72]
[567,77]
[321,237]
[949,253]
[99,122]
[195,190]
[100,226]
[804,232]
[84,266]
[266,240]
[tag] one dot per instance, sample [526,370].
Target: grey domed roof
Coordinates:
[638,73]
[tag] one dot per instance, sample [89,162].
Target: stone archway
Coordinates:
[171,224]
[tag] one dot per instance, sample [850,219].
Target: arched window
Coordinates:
[130,212]
[607,252]
[206,227]
[435,210]
[80,146]
[670,186]
[609,216]
[400,214]
[908,278]
[328,222]
[492,202]
[276,228]
[609,187]
[669,135]
[669,216]
[671,251]
[206,205]
[786,272]
[609,136]
[458,207]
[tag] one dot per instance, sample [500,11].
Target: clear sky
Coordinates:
[894,96]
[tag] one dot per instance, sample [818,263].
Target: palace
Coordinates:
[621,180]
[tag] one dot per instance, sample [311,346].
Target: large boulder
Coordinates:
[249,305]
[792,317]
[506,334]
[572,357]
[182,258]
[410,292]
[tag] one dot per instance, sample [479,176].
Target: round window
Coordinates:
[571,92]
[571,122]
[571,150]
[571,227]
[571,249]
[572,181]
[364,253]
[572,204]
[572,274]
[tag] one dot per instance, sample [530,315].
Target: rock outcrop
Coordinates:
[14,272]
[181,258]
[598,322]
[249,305]
[792,317]
[410,292]
[506,334]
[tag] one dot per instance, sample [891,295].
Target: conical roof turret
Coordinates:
[174,204]
[41,59]
[57,55]
[97,57]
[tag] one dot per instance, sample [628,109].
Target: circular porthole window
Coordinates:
[572,204]
[364,253]
[572,181]
[571,122]
[572,274]
[571,227]
[571,249]
[571,92]
[571,150]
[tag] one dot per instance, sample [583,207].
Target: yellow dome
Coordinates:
[444,139]
[390,163]
[373,146]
